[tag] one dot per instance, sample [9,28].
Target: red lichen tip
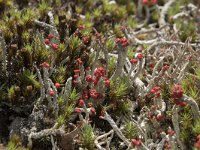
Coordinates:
[50,36]
[92,110]
[145,2]
[94,94]
[177,92]
[76,76]
[157,94]
[123,41]
[81,27]
[47,41]
[133,61]
[152,91]
[136,142]
[165,67]
[57,85]
[78,110]
[107,83]
[153,2]
[170,132]
[85,96]
[54,46]
[197,144]
[156,90]
[159,117]
[140,56]
[88,78]
[85,40]
[182,104]
[198,136]
[99,72]
[81,103]
[44,65]
[149,2]
[98,35]
[79,61]
[95,81]
[51,93]
[76,71]
[167,146]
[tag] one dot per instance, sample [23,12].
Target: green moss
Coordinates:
[25,38]
[131,8]
[60,74]
[186,120]
[11,93]
[174,10]
[87,137]
[4,4]
[43,7]
[73,96]
[69,109]
[40,52]
[117,31]
[27,17]
[131,52]
[74,43]
[97,13]
[15,143]
[28,78]
[176,7]
[56,20]
[130,130]
[122,90]
[63,118]
[8,34]
[131,22]
[123,107]
[190,86]
[110,44]
[196,127]
[187,29]
[185,135]
[114,10]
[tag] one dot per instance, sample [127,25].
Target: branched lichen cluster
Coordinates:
[100,74]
